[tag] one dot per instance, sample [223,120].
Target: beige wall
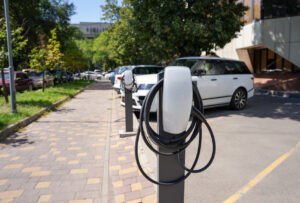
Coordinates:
[282,35]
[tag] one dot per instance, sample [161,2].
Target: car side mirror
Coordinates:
[199,72]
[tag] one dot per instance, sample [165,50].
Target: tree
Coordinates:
[111,10]
[18,44]
[73,58]
[152,31]
[189,27]
[47,57]
[38,18]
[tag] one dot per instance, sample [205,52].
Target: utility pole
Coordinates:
[10,61]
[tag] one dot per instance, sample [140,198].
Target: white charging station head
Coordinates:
[177,99]
[128,79]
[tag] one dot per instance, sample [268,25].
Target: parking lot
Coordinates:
[257,157]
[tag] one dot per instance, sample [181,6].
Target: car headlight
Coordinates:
[145,86]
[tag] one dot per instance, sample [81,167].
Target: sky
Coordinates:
[87,10]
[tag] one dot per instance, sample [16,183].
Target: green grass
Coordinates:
[29,103]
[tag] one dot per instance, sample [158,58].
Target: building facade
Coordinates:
[269,43]
[92,29]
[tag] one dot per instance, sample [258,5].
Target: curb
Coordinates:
[284,94]
[26,121]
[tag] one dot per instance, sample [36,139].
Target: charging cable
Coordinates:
[174,143]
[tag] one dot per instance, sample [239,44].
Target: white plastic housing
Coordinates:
[128,79]
[177,99]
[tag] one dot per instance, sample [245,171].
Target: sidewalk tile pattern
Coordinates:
[60,158]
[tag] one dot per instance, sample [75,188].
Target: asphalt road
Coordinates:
[257,157]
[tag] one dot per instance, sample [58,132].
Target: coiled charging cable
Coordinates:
[174,143]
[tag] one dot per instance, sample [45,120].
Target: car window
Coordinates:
[6,77]
[241,68]
[184,62]
[19,76]
[229,67]
[235,67]
[122,69]
[25,76]
[146,70]
[209,66]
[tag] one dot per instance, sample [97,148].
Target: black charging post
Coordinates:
[171,137]
[128,112]
[168,167]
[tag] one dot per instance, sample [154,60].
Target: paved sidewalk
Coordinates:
[74,155]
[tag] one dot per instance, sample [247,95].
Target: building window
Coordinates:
[266,61]
[280,8]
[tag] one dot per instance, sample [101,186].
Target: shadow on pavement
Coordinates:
[15,141]
[263,106]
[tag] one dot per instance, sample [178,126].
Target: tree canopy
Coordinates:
[152,31]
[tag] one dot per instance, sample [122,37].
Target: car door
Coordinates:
[208,81]
[227,80]
[19,83]
[27,81]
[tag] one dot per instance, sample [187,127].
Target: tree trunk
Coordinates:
[43,81]
[4,86]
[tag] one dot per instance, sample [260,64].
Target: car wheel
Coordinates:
[239,99]
[30,88]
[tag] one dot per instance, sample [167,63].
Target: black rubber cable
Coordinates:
[175,143]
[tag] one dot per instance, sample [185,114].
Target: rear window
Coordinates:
[6,77]
[122,69]
[184,62]
[233,67]
[146,70]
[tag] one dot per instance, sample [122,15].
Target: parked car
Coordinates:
[112,76]
[108,74]
[220,81]
[118,77]
[145,78]
[88,75]
[22,81]
[98,74]
[37,79]
[57,76]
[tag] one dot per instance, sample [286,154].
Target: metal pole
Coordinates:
[89,70]
[128,110]
[10,62]
[168,167]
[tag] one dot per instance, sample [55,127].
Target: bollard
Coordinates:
[128,86]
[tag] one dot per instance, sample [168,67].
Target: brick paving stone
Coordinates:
[61,157]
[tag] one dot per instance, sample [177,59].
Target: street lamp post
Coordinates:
[10,61]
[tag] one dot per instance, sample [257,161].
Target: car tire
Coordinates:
[239,99]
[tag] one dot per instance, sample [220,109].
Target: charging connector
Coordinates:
[173,139]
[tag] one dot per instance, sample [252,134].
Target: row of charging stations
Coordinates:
[178,102]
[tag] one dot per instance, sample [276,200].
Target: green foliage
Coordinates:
[48,57]
[38,18]
[18,42]
[111,10]
[73,58]
[151,31]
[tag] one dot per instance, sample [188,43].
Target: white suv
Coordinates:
[220,81]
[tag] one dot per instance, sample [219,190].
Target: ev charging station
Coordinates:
[178,102]
[128,85]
